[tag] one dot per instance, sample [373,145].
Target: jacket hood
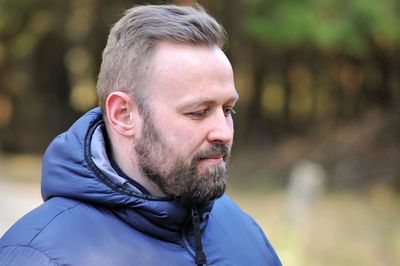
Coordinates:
[76,166]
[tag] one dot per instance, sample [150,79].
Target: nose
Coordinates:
[221,129]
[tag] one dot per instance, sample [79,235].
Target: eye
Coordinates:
[198,114]
[229,111]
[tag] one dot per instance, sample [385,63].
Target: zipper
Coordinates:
[185,241]
[186,244]
[200,256]
[197,252]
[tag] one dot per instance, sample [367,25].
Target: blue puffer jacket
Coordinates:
[93,216]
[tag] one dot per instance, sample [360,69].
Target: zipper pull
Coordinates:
[200,256]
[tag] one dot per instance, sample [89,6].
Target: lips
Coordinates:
[212,160]
[213,157]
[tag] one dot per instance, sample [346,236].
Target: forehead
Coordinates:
[184,72]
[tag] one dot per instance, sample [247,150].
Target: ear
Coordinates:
[122,113]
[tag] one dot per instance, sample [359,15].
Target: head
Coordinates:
[132,42]
[167,92]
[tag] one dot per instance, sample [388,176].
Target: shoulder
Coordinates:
[16,245]
[20,255]
[225,207]
[228,214]
[25,230]
[240,234]
[60,223]
[61,230]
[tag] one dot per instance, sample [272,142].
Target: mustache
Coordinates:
[222,150]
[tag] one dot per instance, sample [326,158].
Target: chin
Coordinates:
[203,169]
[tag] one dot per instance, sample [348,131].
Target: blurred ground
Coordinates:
[16,200]
[334,228]
[19,188]
[340,229]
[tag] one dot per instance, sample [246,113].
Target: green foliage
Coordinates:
[352,27]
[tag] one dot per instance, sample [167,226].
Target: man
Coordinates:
[141,180]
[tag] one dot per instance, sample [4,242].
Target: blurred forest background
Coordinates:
[317,150]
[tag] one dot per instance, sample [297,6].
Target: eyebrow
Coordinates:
[207,101]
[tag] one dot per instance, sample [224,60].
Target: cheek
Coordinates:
[185,138]
[230,124]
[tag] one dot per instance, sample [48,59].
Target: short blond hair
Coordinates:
[133,38]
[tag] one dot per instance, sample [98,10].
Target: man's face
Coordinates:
[187,132]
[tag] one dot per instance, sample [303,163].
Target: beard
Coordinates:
[178,177]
